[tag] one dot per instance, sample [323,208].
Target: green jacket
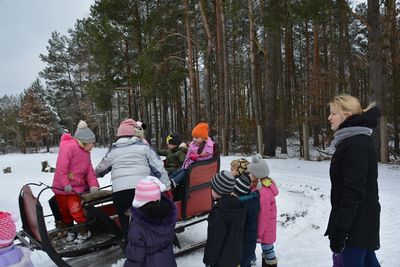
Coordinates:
[174,158]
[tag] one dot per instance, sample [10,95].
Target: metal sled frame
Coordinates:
[34,233]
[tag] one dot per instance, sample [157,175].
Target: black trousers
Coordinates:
[123,202]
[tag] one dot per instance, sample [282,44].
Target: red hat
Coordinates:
[8,230]
[126,128]
[200,130]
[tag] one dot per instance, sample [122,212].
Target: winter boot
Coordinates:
[83,234]
[61,229]
[269,263]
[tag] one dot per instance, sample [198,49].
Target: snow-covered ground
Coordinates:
[303,209]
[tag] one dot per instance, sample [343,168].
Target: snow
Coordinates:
[303,209]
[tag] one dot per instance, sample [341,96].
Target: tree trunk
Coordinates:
[225,147]
[192,78]
[221,74]
[375,63]
[272,42]
[391,4]
[207,60]
[254,89]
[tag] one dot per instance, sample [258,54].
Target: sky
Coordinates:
[303,207]
[26,27]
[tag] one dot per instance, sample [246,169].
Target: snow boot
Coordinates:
[269,263]
[83,234]
[61,229]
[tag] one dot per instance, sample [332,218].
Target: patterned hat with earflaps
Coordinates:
[240,165]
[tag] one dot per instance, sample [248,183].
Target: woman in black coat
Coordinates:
[353,227]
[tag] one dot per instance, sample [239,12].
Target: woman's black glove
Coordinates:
[337,238]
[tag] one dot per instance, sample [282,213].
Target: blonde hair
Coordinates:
[348,103]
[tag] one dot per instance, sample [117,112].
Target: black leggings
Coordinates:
[123,202]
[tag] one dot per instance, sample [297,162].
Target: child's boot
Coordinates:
[83,234]
[61,229]
[270,262]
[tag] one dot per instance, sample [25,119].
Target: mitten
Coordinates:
[193,156]
[183,145]
[337,240]
[68,188]
[94,189]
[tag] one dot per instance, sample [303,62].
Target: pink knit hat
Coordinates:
[126,128]
[7,229]
[147,190]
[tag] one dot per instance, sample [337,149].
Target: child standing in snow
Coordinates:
[11,255]
[251,204]
[74,174]
[152,227]
[225,224]
[201,148]
[267,217]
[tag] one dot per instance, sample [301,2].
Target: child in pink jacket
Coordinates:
[74,174]
[267,217]
[201,148]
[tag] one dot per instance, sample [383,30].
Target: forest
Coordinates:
[260,72]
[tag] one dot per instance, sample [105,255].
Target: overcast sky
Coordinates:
[25,28]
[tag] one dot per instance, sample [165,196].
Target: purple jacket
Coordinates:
[13,256]
[74,168]
[266,230]
[193,148]
[150,240]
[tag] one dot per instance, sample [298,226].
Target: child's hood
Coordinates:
[66,137]
[269,183]
[160,226]
[125,141]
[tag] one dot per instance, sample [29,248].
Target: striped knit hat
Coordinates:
[223,183]
[242,185]
[7,229]
[147,190]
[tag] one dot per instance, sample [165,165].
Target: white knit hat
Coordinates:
[84,134]
[147,190]
[258,167]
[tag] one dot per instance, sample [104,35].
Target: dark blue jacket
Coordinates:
[150,238]
[251,204]
[225,233]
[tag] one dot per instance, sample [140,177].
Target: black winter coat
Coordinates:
[225,233]
[354,192]
[251,204]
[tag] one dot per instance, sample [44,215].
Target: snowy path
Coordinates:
[303,209]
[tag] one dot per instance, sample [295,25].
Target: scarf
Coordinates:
[347,132]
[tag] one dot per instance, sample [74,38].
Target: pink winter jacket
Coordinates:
[73,167]
[194,147]
[266,230]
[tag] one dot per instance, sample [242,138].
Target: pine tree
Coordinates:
[36,117]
